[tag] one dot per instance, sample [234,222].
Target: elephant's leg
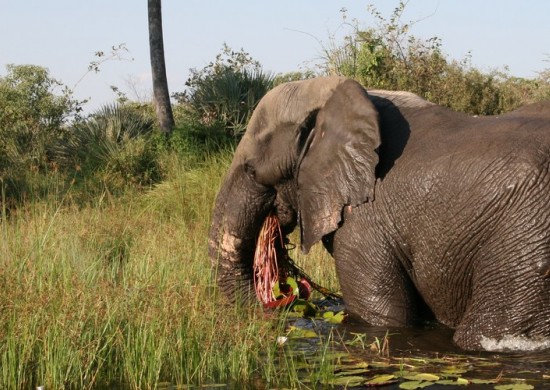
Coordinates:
[374,284]
[510,297]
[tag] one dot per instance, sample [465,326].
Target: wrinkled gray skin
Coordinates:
[427,212]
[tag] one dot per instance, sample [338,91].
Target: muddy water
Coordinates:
[429,350]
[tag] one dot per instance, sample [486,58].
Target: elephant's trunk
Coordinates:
[240,209]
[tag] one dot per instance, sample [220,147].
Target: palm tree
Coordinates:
[158,68]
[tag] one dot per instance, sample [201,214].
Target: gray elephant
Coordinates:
[427,212]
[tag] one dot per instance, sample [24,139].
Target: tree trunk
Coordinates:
[158,68]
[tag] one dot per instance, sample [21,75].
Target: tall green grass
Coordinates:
[120,292]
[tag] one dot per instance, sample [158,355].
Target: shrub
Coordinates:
[34,108]
[225,92]
[389,57]
[115,145]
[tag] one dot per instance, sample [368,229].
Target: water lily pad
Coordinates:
[353,371]
[381,380]
[483,381]
[296,333]
[515,386]
[334,318]
[457,382]
[304,308]
[380,364]
[354,363]
[454,370]
[286,288]
[334,356]
[422,377]
[487,364]
[347,381]
[411,385]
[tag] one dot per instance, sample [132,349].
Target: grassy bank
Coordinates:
[120,291]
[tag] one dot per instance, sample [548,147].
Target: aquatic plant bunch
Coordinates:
[273,270]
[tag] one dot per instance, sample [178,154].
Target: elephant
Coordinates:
[429,214]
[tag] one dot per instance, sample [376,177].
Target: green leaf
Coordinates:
[334,318]
[347,381]
[381,380]
[457,382]
[414,385]
[305,308]
[297,333]
[515,386]
[351,371]
[354,363]
[454,370]
[483,381]
[422,377]
[291,288]
[293,284]
[380,364]
[462,381]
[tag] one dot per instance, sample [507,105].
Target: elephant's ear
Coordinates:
[337,168]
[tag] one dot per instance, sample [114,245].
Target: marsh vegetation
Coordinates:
[104,274]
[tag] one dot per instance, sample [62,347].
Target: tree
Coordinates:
[161,95]
[32,116]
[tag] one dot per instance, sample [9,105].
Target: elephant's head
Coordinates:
[310,149]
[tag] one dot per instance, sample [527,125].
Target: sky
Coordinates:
[283,35]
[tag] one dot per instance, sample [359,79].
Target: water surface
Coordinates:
[411,351]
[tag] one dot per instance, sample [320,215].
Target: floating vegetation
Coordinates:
[327,355]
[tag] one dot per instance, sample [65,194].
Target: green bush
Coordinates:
[32,115]
[114,145]
[34,108]
[224,93]
[389,57]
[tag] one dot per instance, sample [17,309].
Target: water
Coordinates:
[429,350]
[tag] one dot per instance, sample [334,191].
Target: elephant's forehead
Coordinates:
[291,103]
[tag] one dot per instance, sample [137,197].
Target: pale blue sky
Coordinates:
[64,34]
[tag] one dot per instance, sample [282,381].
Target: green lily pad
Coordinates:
[347,381]
[285,289]
[515,386]
[353,362]
[380,380]
[457,382]
[304,308]
[299,333]
[454,370]
[334,318]
[335,356]
[411,385]
[422,377]
[380,364]
[483,381]
[352,371]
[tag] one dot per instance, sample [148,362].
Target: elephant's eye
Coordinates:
[249,169]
